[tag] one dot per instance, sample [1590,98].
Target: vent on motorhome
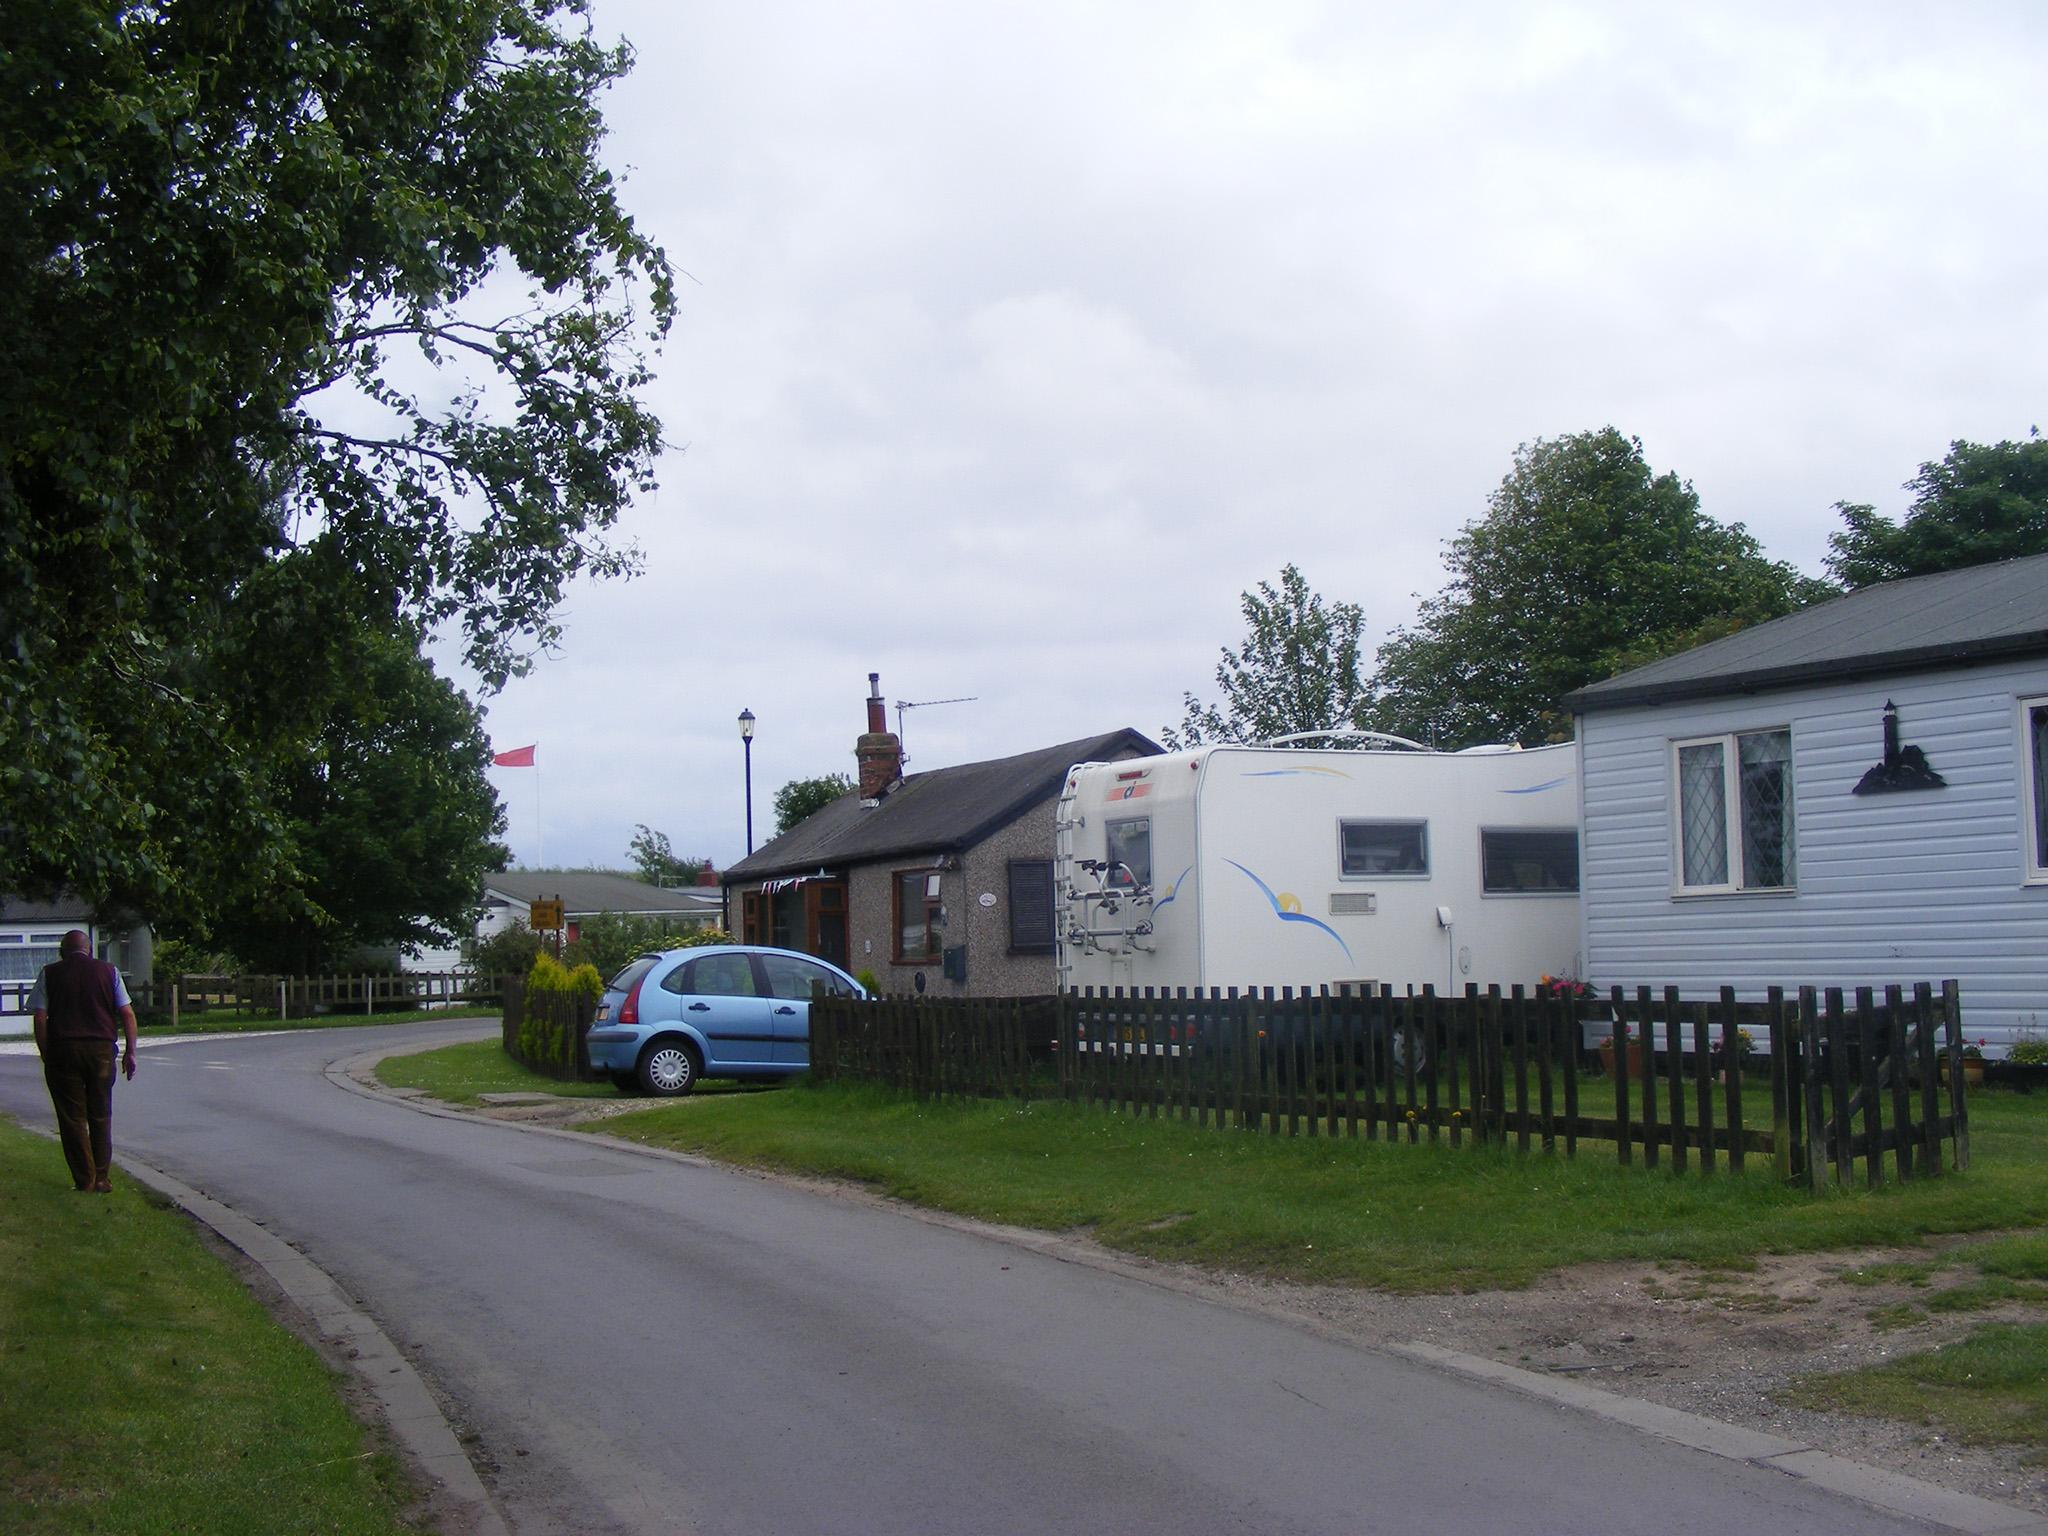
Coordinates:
[1354,903]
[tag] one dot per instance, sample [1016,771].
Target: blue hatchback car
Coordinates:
[727,1010]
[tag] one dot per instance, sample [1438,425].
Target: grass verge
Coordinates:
[1405,1218]
[143,1390]
[1989,1388]
[1402,1218]
[462,1074]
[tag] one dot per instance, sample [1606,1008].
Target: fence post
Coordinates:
[1623,1134]
[1674,1046]
[1732,1057]
[1873,1100]
[1952,1026]
[1930,1104]
[1520,1012]
[1781,1087]
[1649,1024]
[1844,1149]
[1703,1085]
[1902,1104]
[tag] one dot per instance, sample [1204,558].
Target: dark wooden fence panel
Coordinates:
[1848,1082]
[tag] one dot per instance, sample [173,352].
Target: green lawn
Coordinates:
[143,1390]
[1395,1216]
[1989,1388]
[461,1074]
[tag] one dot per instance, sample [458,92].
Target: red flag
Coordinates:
[518,757]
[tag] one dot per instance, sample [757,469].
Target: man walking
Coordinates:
[79,1003]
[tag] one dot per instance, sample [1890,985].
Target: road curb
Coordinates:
[403,1402]
[1877,1487]
[1893,1492]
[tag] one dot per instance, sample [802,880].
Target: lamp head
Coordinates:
[746,725]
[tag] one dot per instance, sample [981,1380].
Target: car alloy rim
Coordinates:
[670,1068]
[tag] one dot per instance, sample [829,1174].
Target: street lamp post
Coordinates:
[747,742]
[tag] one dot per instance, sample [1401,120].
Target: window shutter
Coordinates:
[1031,930]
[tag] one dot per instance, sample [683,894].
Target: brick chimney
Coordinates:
[878,752]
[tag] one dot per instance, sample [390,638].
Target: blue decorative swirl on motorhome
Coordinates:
[1174,890]
[1286,916]
[1537,789]
[1293,773]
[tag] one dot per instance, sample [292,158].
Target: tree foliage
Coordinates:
[1586,562]
[1298,670]
[656,862]
[390,820]
[318,322]
[1980,503]
[802,798]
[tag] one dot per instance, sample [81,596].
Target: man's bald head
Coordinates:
[75,943]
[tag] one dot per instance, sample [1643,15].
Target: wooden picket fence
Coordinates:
[292,997]
[1847,1082]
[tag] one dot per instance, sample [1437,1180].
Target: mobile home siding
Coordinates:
[1921,885]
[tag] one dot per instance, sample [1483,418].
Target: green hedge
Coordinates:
[555,1008]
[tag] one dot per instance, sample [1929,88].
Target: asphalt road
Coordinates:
[652,1347]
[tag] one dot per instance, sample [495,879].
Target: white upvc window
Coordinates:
[1732,813]
[2034,793]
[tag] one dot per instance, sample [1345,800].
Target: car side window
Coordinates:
[719,976]
[793,978]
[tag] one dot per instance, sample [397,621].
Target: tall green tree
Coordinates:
[313,316]
[1297,670]
[391,823]
[1982,502]
[800,799]
[656,861]
[1586,562]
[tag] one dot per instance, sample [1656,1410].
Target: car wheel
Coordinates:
[669,1068]
[625,1082]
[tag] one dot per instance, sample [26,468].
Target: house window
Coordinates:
[1130,851]
[918,915]
[1031,924]
[1733,812]
[1384,847]
[2034,763]
[1524,860]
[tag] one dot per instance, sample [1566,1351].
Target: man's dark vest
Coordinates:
[78,992]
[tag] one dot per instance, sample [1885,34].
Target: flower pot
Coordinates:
[1635,1057]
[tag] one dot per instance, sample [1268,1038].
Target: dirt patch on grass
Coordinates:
[1720,1343]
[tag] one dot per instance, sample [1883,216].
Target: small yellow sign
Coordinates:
[546,914]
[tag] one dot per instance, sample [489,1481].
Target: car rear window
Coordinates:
[631,976]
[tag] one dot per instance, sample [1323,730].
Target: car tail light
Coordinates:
[629,1010]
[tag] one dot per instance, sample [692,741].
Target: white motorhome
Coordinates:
[1291,865]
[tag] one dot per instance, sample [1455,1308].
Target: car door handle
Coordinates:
[785,1010]
[700,1007]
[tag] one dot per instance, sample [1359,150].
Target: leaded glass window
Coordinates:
[1733,819]
[1703,813]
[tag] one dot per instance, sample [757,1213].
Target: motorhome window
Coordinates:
[1386,847]
[1031,928]
[2034,761]
[918,915]
[1526,859]
[1732,812]
[1130,851]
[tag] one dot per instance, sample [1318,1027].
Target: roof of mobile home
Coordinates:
[1952,618]
[940,810]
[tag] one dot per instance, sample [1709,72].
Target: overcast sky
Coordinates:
[1019,340]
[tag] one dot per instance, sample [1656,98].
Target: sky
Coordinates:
[1016,342]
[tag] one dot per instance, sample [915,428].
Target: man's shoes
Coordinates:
[103,1188]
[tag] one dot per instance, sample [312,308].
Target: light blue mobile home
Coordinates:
[1852,795]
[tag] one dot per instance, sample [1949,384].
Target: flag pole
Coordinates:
[539,836]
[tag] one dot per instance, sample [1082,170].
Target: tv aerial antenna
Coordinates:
[903,704]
